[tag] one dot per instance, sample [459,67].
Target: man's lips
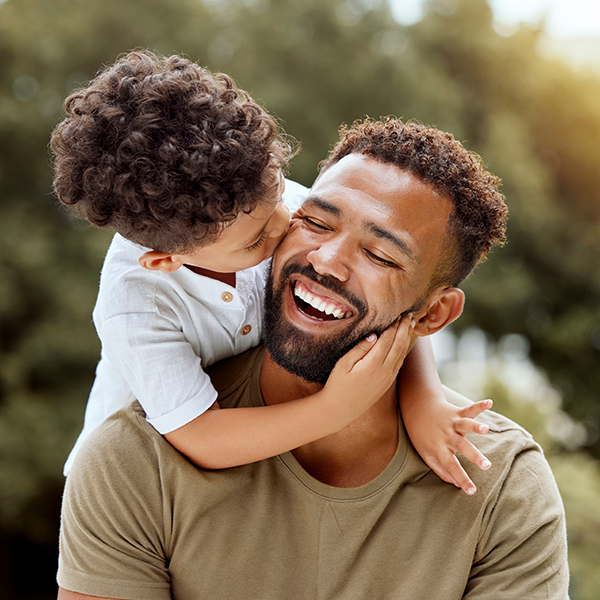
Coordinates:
[318,306]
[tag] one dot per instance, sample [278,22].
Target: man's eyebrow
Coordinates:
[390,237]
[323,205]
[379,232]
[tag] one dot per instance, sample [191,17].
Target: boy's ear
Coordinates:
[443,307]
[160,261]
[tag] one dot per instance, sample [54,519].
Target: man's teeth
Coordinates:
[322,305]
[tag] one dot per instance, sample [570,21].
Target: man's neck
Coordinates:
[351,457]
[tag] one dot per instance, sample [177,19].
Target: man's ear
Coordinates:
[160,261]
[443,307]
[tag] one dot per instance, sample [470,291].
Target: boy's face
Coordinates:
[249,240]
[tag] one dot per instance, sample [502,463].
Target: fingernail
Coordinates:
[371,337]
[485,464]
[483,428]
[471,491]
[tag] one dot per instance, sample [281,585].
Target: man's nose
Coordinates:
[331,258]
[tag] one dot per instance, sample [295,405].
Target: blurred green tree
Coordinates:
[315,64]
[536,122]
[478,367]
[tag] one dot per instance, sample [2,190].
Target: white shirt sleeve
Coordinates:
[160,366]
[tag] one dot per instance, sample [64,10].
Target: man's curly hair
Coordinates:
[165,152]
[478,220]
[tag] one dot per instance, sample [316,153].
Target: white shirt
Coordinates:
[160,330]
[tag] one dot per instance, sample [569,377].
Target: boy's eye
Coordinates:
[259,242]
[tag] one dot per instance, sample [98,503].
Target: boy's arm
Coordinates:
[437,428]
[224,438]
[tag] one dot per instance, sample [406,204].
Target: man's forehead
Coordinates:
[382,180]
[382,199]
[390,190]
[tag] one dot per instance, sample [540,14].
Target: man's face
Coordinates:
[360,252]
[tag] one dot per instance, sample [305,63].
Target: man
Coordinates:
[399,215]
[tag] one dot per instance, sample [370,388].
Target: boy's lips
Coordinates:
[318,305]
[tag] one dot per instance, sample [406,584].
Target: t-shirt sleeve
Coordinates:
[160,367]
[113,532]
[522,552]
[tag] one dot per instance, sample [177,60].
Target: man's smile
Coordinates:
[317,306]
[315,299]
[308,341]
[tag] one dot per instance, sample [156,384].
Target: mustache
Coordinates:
[327,282]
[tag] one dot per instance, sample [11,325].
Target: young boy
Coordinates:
[188,170]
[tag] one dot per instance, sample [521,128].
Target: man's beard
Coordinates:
[312,357]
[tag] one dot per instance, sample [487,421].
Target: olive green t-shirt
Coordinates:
[140,521]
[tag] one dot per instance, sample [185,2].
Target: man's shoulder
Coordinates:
[124,446]
[236,378]
[126,439]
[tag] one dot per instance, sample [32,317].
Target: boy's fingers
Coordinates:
[463,426]
[400,341]
[459,475]
[473,455]
[359,351]
[385,343]
[390,348]
[476,408]
[437,468]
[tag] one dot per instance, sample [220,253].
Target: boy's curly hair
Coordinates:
[478,220]
[165,152]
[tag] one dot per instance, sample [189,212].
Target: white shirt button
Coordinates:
[226,297]
[246,329]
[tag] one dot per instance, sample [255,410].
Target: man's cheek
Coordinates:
[285,251]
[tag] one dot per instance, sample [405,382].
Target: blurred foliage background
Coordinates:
[315,64]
